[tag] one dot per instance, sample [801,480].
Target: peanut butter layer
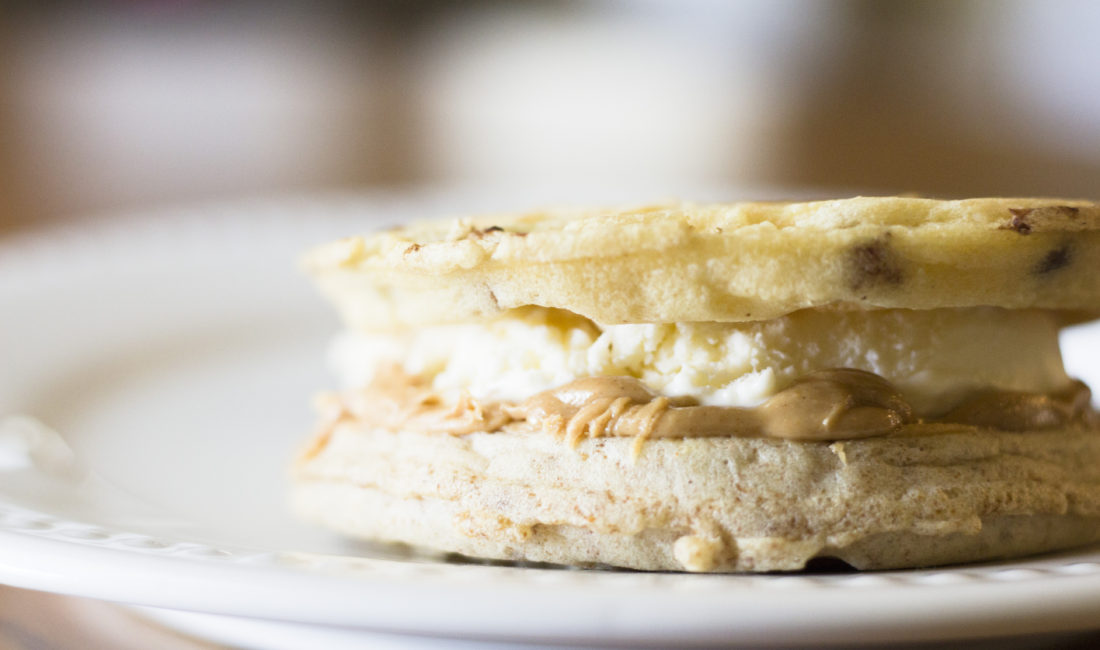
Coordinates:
[836,404]
[832,404]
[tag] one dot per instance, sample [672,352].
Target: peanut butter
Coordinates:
[826,405]
[836,404]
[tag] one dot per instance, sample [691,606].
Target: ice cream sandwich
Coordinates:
[714,388]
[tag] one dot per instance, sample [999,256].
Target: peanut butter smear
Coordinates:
[836,404]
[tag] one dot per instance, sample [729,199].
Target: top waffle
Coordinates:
[727,262]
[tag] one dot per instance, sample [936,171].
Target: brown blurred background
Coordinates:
[111,105]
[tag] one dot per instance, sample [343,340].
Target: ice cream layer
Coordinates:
[934,357]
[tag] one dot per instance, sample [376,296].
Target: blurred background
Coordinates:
[115,105]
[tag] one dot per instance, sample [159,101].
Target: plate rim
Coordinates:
[1037,595]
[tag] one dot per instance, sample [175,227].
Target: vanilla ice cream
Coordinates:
[934,357]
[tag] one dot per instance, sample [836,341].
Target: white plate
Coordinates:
[164,363]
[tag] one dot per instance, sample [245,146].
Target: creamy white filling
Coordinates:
[934,357]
